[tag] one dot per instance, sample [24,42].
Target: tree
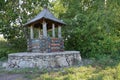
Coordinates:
[93,27]
[13,15]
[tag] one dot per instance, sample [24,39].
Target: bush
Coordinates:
[12,47]
[18,44]
[91,45]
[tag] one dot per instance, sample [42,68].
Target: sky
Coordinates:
[1,35]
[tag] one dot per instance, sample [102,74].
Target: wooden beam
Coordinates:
[44,29]
[53,30]
[31,32]
[39,32]
[59,32]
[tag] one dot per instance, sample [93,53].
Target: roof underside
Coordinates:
[46,15]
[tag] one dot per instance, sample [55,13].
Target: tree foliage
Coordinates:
[13,15]
[93,26]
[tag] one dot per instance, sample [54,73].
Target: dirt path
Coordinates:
[12,77]
[9,76]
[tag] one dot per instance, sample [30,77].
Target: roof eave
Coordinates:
[59,22]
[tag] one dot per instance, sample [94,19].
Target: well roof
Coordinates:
[46,15]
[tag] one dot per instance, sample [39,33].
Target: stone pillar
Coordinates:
[39,30]
[31,32]
[44,29]
[59,32]
[53,30]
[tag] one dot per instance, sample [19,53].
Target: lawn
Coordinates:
[84,73]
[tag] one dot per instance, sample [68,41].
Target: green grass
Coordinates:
[83,73]
[104,68]
[74,73]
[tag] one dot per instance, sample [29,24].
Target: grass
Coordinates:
[83,73]
[108,69]
[104,68]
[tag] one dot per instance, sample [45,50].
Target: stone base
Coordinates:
[44,60]
[45,45]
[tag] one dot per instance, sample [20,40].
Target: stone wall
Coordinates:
[46,45]
[44,60]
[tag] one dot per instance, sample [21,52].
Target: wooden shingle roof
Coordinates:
[46,15]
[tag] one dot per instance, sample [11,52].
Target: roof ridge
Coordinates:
[45,12]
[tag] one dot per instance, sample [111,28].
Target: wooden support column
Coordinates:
[53,30]
[59,32]
[39,30]
[31,32]
[44,29]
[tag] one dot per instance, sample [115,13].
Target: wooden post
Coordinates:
[44,29]
[59,32]
[53,30]
[31,32]
[39,30]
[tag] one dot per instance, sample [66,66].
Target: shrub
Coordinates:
[7,48]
